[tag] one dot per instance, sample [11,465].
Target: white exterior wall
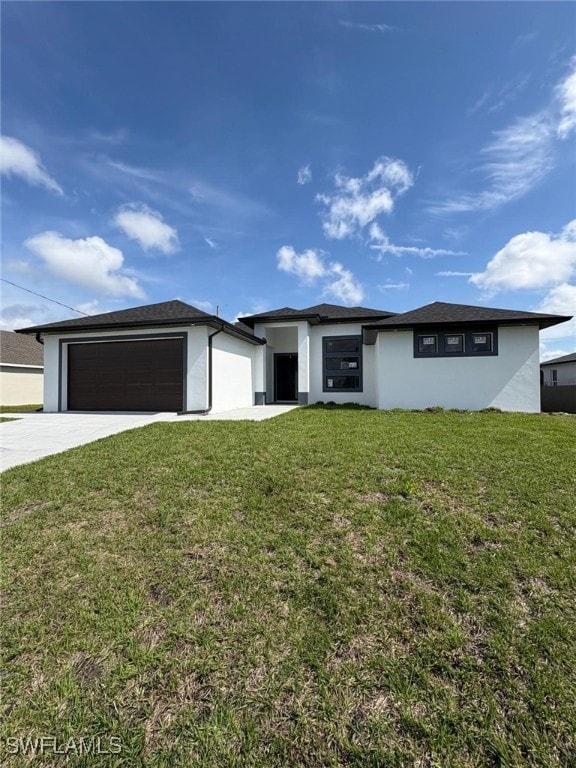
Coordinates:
[368,395]
[232,365]
[566,374]
[51,373]
[303,362]
[259,369]
[197,369]
[196,372]
[21,385]
[509,381]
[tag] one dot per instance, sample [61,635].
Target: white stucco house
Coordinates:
[175,357]
[560,371]
[21,369]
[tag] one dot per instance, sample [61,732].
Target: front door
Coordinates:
[285,378]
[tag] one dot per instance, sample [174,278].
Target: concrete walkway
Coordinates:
[35,435]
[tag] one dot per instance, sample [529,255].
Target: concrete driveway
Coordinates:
[35,435]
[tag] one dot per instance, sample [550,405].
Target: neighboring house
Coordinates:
[174,357]
[561,371]
[21,369]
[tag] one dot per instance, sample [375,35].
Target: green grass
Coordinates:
[3,418]
[20,408]
[333,587]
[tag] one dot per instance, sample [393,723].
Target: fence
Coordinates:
[562,398]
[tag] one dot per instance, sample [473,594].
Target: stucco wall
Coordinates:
[197,363]
[509,381]
[232,362]
[21,385]
[566,373]
[368,394]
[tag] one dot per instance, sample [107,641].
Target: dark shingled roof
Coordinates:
[571,358]
[319,313]
[442,313]
[20,350]
[244,328]
[167,313]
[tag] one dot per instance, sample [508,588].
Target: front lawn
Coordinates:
[31,408]
[333,587]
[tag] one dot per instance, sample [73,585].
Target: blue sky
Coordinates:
[250,156]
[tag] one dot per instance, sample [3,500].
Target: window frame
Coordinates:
[333,373]
[467,335]
[446,347]
[427,336]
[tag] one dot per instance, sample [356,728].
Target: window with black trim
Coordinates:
[342,363]
[481,342]
[456,343]
[427,345]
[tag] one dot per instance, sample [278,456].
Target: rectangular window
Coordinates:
[342,344]
[454,343]
[342,363]
[481,342]
[343,382]
[427,345]
[554,377]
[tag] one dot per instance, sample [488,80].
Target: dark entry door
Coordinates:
[126,376]
[285,377]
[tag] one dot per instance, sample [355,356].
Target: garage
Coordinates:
[142,375]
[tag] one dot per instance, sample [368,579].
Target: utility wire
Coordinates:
[43,297]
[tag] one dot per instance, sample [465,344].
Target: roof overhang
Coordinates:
[541,322]
[215,323]
[555,365]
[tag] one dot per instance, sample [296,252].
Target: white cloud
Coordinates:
[16,159]
[304,175]
[359,201]
[116,137]
[366,27]
[141,223]
[566,93]
[89,307]
[15,316]
[385,246]
[479,103]
[451,273]
[531,260]
[344,287]
[390,286]
[89,262]
[550,354]
[200,304]
[211,243]
[307,266]
[517,158]
[23,268]
[560,300]
[310,266]
[520,155]
[132,170]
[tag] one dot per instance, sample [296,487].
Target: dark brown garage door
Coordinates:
[126,376]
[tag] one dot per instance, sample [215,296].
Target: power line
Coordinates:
[43,297]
